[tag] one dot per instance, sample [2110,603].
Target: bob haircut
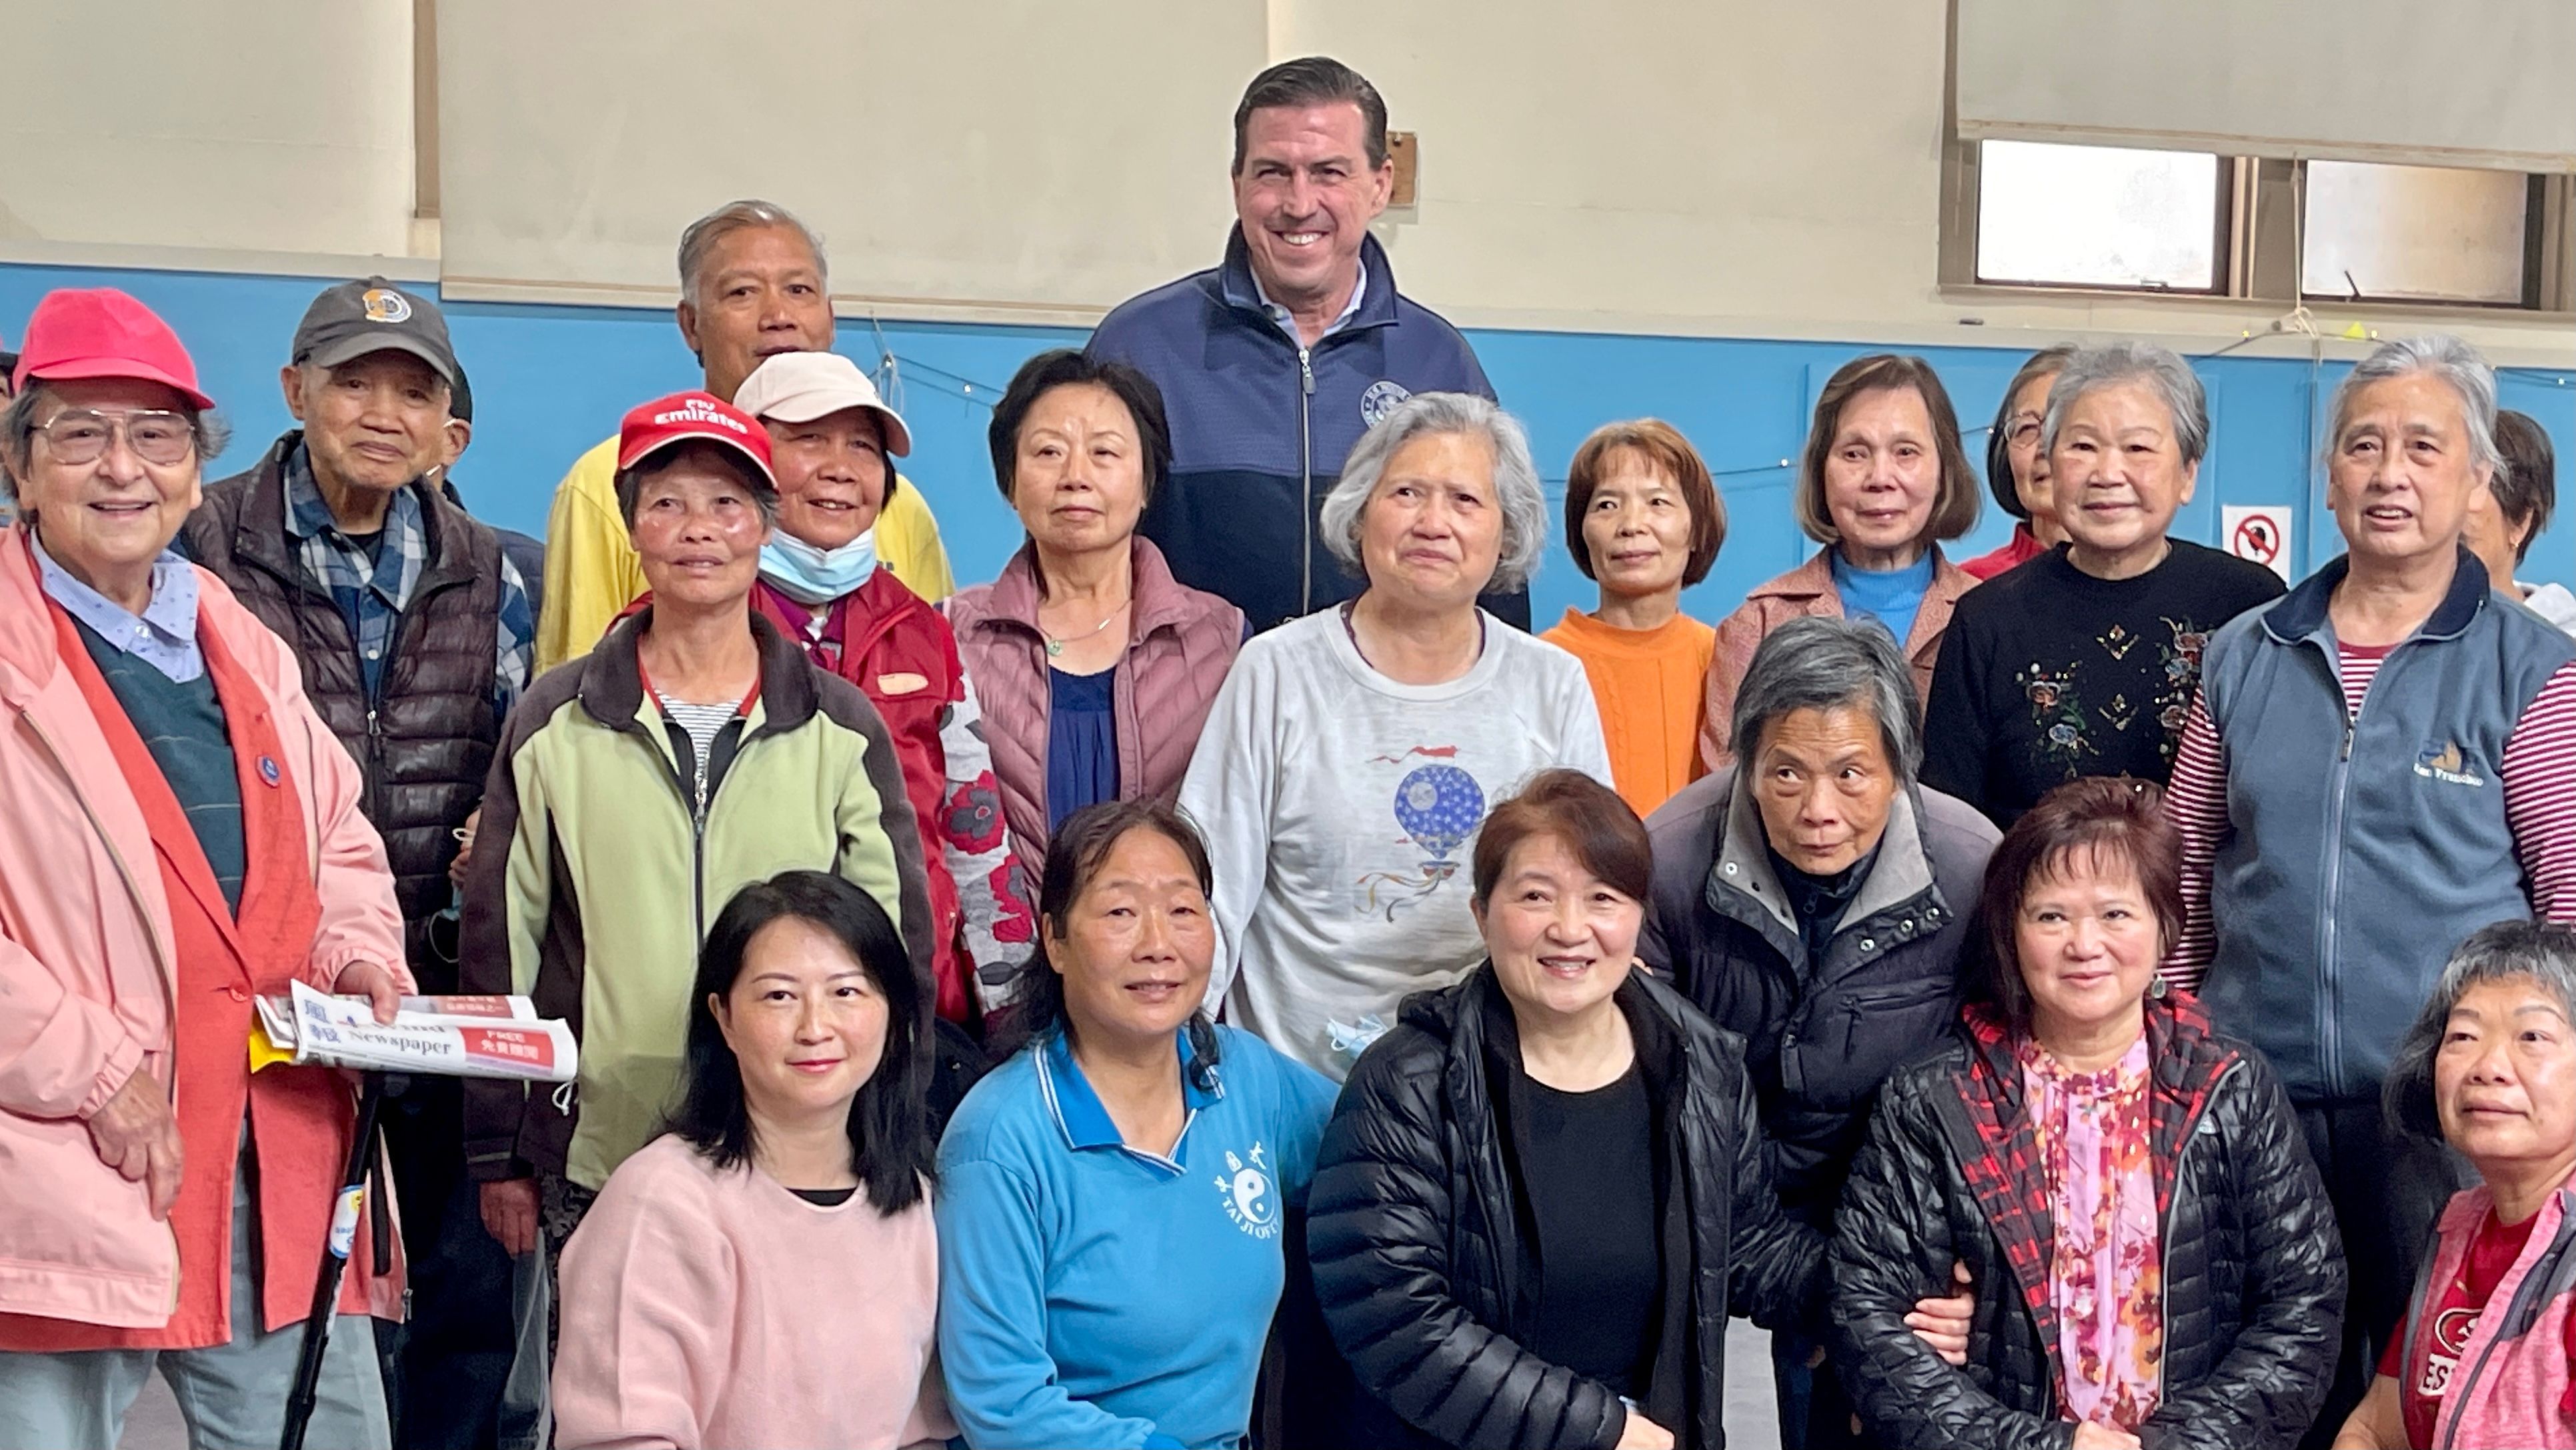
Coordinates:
[1522,503]
[2105,818]
[890,1142]
[2543,951]
[1954,507]
[1075,854]
[2047,362]
[1660,445]
[1068,368]
[1589,817]
[2526,483]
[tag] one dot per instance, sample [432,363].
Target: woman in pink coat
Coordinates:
[182,836]
[1884,481]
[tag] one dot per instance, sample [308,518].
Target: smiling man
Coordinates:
[753,283]
[1273,362]
[412,632]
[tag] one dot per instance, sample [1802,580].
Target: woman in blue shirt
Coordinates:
[1110,1226]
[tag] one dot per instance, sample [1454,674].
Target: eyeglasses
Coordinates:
[79,435]
[2022,431]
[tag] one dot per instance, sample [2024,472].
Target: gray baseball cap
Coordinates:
[353,319]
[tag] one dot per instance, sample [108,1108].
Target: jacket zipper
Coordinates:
[1306,487]
[2533,1279]
[166,970]
[2329,1046]
[2182,1146]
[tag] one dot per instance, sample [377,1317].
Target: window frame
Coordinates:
[2261,217]
[2230,196]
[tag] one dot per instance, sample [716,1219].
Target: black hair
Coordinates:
[1075,854]
[1066,367]
[891,1149]
[1313,80]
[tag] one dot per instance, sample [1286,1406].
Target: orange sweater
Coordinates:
[1649,684]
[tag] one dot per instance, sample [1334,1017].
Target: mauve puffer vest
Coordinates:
[1179,647]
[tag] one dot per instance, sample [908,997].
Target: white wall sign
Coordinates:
[2260,533]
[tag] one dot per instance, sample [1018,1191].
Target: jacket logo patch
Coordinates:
[2445,762]
[1248,1198]
[1380,400]
[902,684]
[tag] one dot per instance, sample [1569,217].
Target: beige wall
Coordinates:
[248,126]
[1715,167]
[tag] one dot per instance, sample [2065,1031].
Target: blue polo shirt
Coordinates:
[1095,1295]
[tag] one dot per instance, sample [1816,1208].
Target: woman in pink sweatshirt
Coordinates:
[765,1272]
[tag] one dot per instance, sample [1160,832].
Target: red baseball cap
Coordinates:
[99,332]
[682,417]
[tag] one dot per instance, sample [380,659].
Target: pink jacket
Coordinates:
[1809,589]
[2511,1387]
[86,979]
[1180,644]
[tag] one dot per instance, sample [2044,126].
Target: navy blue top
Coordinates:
[1082,743]
[182,724]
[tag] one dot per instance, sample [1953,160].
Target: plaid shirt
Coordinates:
[371,593]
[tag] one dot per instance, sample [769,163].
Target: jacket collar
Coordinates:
[2301,613]
[1161,601]
[612,679]
[28,657]
[2185,1054]
[1815,580]
[261,530]
[1743,886]
[1377,302]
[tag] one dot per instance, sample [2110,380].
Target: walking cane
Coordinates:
[354,1197]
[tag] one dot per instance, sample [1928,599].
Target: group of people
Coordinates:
[1225,977]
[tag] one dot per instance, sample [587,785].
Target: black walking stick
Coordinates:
[362,1189]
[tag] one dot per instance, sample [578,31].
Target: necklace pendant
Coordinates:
[1055,647]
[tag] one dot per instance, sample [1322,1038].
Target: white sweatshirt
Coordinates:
[1341,811]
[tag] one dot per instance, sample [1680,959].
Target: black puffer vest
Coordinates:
[426,740]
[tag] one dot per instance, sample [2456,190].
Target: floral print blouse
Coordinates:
[2106,1274]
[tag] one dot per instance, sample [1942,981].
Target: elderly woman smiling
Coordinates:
[1882,482]
[1351,756]
[2491,1068]
[2159,1261]
[2084,660]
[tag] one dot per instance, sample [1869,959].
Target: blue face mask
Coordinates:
[813,576]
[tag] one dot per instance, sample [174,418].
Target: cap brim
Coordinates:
[667,441]
[70,369]
[806,407]
[350,349]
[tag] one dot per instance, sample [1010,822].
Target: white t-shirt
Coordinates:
[1341,811]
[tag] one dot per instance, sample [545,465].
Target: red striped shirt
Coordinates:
[2538,772]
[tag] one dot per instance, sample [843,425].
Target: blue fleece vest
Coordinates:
[2361,853]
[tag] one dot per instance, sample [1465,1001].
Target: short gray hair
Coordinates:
[1823,662]
[2437,355]
[1516,486]
[702,235]
[2544,952]
[18,433]
[2158,370]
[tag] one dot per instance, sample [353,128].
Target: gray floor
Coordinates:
[1752,1419]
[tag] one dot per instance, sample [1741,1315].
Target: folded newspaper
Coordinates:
[452,1036]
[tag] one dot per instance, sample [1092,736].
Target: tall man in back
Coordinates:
[1273,362]
[752,283]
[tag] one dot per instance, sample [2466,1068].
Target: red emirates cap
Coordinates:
[651,427]
[99,332]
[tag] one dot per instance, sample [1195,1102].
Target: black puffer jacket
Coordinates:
[2253,1270]
[1818,1038]
[1419,1235]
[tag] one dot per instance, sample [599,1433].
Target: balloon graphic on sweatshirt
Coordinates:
[1439,806]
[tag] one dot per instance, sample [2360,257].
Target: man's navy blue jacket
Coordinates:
[1260,426]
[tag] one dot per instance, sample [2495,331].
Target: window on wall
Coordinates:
[2416,234]
[2100,218]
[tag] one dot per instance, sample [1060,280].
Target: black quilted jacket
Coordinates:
[1419,1241]
[2253,1270]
